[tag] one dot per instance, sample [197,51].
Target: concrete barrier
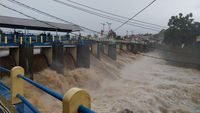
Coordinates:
[26,59]
[83,56]
[58,57]
[47,51]
[14,52]
[112,51]
[95,49]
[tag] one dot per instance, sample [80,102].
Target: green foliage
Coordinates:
[112,34]
[95,36]
[182,30]
[89,36]
[118,38]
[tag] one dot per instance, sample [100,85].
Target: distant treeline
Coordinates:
[183,30]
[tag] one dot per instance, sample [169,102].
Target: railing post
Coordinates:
[15,38]
[41,39]
[6,39]
[59,38]
[36,39]
[16,84]
[53,38]
[74,98]
[30,40]
[21,40]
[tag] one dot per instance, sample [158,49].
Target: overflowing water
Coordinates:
[150,86]
[140,84]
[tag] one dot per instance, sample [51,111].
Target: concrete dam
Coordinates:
[56,73]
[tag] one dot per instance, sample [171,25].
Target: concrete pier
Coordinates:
[83,56]
[124,47]
[95,49]
[105,48]
[73,52]
[112,51]
[26,59]
[47,51]
[58,57]
[14,52]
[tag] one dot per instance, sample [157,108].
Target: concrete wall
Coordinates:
[101,47]
[47,51]
[58,57]
[129,47]
[83,56]
[124,47]
[118,48]
[105,49]
[185,57]
[96,49]
[14,52]
[112,51]
[26,59]
[73,52]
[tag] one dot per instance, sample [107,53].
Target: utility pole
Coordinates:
[132,32]
[103,30]
[127,33]
[109,26]
[103,24]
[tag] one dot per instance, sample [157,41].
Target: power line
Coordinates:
[47,14]
[76,34]
[56,28]
[106,16]
[98,14]
[44,13]
[52,16]
[135,15]
[106,12]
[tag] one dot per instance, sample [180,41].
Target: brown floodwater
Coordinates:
[134,82]
[150,86]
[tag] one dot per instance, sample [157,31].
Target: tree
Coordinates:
[112,34]
[182,30]
[95,36]
[118,37]
[89,36]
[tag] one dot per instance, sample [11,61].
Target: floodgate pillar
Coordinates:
[83,56]
[58,57]
[112,51]
[26,59]
[96,49]
[48,53]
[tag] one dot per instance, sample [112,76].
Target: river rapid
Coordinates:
[149,85]
[132,83]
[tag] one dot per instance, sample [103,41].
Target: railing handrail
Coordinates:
[5,70]
[83,109]
[17,74]
[43,88]
[28,104]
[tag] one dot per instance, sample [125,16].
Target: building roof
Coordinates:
[21,23]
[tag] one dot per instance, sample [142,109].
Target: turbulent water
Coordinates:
[150,86]
[140,84]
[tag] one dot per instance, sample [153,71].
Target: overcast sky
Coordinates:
[159,13]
